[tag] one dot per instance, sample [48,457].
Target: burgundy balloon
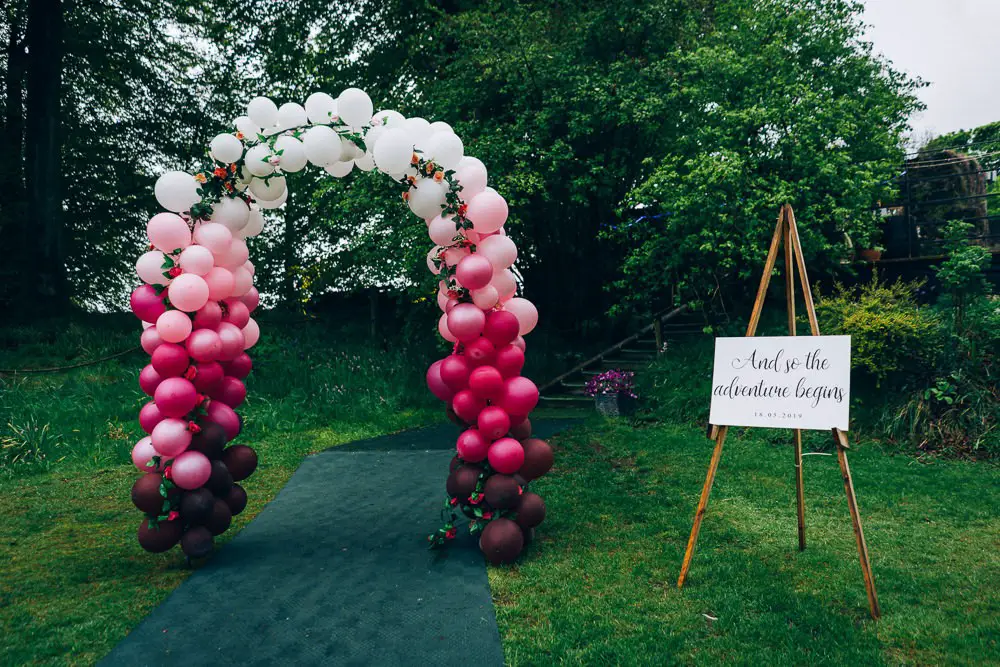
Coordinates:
[236,312]
[538,458]
[219,518]
[232,341]
[241,461]
[520,396]
[239,367]
[149,379]
[521,431]
[197,542]
[204,345]
[210,441]
[175,397]
[170,360]
[455,372]
[146,303]
[509,361]
[208,316]
[467,405]
[480,352]
[236,499]
[150,416]
[472,445]
[502,541]
[436,384]
[230,391]
[146,493]
[530,510]
[486,382]
[223,415]
[501,327]
[159,539]
[251,299]
[207,376]
[493,422]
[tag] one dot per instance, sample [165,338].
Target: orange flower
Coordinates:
[232,168]
[220,172]
[406,196]
[239,135]
[438,176]
[429,168]
[412,180]
[415,159]
[200,178]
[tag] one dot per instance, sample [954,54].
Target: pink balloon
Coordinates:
[519,343]
[220,283]
[499,249]
[487,211]
[494,422]
[204,345]
[454,372]
[467,406]
[196,259]
[232,341]
[485,298]
[251,334]
[486,382]
[170,360]
[436,384]
[442,230]
[504,283]
[146,303]
[149,380]
[520,396]
[465,321]
[506,456]
[443,329]
[142,453]
[224,416]
[150,416]
[208,316]
[452,256]
[432,255]
[239,367]
[150,269]
[480,352]
[168,232]
[445,303]
[175,397]
[471,174]
[501,327]
[525,312]
[242,281]
[230,391]
[474,272]
[236,312]
[509,361]
[171,437]
[207,375]
[188,292]
[150,340]
[173,326]
[214,236]
[235,255]
[472,446]
[251,299]
[190,470]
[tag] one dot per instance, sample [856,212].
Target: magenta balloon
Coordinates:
[230,391]
[467,406]
[455,372]
[208,316]
[501,327]
[251,299]
[474,272]
[146,303]
[486,382]
[509,361]
[236,312]
[465,322]
[224,416]
[207,376]
[171,437]
[168,232]
[173,326]
[436,384]
[525,312]
[251,334]
[204,345]
[188,292]
[170,360]
[220,283]
[494,422]
[232,341]
[480,352]
[487,211]
[150,416]
[443,329]
[506,456]
[472,446]
[190,470]
[149,380]
[239,367]
[520,396]
[142,453]
[214,236]
[150,340]
[175,397]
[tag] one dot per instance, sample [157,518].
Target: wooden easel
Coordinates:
[786,232]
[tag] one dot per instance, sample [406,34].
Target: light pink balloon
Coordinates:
[474,272]
[486,297]
[171,437]
[465,321]
[487,211]
[248,265]
[208,316]
[173,326]
[443,300]
[519,342]
[443,329]
[220,283]
[233,341]
[452,256]
[150,340]
[499,249]
[204,345]
[142,453]
[213,236]
[149,266]
[188,292]
[224,416]
[196,259]
[242,281]
[442,230]
[432,254]
[168,232]
[235,255]
[190,470]
[251,334]
[472,235]
[525,312]
[505,283]
[471,175]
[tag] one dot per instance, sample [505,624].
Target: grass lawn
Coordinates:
[599,585]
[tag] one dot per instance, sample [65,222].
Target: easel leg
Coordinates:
[799,494]
[786,216]
[706,490]
[859,535]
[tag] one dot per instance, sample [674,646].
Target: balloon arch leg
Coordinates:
[197,299]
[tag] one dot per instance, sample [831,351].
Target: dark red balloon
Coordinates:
[509,361]
[467,405]
[236,499]
[146,303]
[501,327]
[149,379]
[462,482]
[493,422]
[480,352]
[455,372]
[219,518]
[197,542]
[239,367]
[210,441]
[241,461]
[502,492]
[159,539]
[146,493]
[521,431]
[486,382]
[197,505]
[221,480]
[207,376]
[538,458]
[530,510]
[501,541]
[170,360]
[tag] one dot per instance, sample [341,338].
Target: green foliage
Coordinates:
[963,274]
[28,443]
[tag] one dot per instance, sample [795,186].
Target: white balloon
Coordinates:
[351,151]
[419,131]
[226,148]
[339,169]
[388,118]
[291,115]
[393,151]
[366,162]
[231,212]
[441,126]
[257,160]
[246,127]
[446,149]
[427,197]
[277,203]
[471,175]
[262,111]
[177,191]
[292,153]
[268,190]
[320,108]
[355,107]
[255,224]
[322,145]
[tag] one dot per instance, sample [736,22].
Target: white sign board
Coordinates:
[782,382]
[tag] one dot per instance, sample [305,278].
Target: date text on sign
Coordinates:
[782,382]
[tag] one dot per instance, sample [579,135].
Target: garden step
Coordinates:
[625,364]
[568,400]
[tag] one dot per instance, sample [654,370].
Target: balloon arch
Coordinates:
[197,299]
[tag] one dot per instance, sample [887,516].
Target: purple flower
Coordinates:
[614,381]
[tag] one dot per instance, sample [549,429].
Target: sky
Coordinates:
[951,44]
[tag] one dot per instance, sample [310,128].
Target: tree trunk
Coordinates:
[12,204]
[288,252]
[45,273]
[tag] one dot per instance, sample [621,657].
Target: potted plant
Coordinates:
[872,254]
[613,392]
